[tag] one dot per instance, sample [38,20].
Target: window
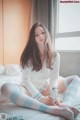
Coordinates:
[68,32]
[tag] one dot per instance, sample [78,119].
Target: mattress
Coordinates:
[27,114]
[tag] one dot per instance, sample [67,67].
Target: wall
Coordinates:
[16,17]
[1,36]
[70,63]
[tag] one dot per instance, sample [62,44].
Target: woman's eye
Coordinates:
[36,35]
[43,32]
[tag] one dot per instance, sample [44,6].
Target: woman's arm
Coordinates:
[55,74]
[26,82]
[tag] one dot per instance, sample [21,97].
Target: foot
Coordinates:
[73,109]
[63,112]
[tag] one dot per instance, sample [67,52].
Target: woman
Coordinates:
[40,71]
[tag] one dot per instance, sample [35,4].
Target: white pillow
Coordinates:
[2,69]
[13,69]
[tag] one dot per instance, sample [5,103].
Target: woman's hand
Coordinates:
[58,101]
[47,100]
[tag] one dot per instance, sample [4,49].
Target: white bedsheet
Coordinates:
[28,114]
[11,79]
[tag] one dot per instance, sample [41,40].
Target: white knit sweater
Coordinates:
[35,82]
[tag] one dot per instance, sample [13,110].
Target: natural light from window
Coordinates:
[68,33]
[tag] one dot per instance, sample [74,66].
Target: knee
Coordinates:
[76,78]
[5,88]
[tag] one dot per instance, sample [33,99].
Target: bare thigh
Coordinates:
[47,91]
[61,86]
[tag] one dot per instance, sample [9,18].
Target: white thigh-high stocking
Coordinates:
[14,93]
[72,94]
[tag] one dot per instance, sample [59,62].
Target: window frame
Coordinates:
[63,34]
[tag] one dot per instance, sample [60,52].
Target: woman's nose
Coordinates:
[41,36]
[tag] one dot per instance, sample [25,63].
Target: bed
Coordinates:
[13,110]
[27,114]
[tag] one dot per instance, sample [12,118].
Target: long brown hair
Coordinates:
[31,53]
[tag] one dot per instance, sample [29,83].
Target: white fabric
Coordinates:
[10,73]
[8,79]
[36,81]
[54,74]
[28,114]
[13,69]
[2,69]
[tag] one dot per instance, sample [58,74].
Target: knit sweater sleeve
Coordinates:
[55,72]
[26,82]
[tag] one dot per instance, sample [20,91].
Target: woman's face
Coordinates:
[39,36]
